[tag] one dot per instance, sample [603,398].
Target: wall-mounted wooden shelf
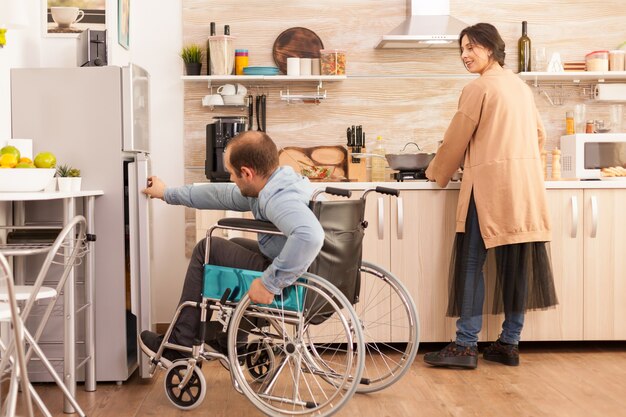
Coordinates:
[574,76]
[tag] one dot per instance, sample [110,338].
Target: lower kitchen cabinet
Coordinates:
[412,236]
[604,239]
[565,321]
[588,251]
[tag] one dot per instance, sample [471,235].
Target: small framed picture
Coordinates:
[123,12]
[68,18]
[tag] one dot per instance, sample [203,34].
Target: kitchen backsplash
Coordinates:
[399,108]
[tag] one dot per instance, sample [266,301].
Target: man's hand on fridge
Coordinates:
[156,188]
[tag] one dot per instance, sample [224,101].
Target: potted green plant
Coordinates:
[68,178]
[192,57]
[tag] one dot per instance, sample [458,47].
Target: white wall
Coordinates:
[154,46]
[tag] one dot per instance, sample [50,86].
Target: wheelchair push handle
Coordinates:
[388,191]
[341,192]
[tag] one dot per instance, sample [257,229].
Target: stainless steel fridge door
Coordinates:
[139,230]
[136,109]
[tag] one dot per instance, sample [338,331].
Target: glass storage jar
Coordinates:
[597,61]
[333,62]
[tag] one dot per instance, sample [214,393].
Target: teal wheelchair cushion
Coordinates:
[217,279]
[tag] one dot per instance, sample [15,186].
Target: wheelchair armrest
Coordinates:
[259,225]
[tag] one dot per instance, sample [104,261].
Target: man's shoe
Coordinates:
[150,342]
[454,355]
[503,353]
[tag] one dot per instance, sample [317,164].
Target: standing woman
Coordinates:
[497,134]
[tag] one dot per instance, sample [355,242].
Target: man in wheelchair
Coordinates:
[272,193]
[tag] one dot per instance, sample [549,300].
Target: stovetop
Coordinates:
[410,175]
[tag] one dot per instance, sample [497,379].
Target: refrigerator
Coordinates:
[97,119]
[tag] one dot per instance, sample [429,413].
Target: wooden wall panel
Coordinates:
[384,98]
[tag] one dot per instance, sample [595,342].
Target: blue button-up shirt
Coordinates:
[284,201]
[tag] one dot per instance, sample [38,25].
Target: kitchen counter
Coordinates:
[427,185]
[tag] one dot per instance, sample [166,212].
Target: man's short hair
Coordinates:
[255,150]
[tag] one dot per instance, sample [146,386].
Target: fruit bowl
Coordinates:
[25,179]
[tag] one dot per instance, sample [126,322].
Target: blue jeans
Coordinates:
[468,326]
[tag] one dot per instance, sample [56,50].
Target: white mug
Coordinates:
[235,100]
[65,16]
[293,66]
[212,100]
[241,90]
[227,90]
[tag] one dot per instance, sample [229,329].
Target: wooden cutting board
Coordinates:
[295,42]
[335,157]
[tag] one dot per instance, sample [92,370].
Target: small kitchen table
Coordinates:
[18,200]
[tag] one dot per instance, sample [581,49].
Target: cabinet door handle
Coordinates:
[594,216]
[400,212]
[574,216]
[381,218]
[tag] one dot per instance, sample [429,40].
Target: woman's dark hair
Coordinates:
[487,36]
[254,150]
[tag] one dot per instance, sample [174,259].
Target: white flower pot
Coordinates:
[75,183]
[69,184]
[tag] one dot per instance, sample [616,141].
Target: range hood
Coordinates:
[428,25]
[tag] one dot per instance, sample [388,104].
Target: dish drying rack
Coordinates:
[315,98]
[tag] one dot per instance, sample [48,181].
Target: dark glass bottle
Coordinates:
[208,50]
[226,30]
[523,51]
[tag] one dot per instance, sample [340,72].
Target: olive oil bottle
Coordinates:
[523,50]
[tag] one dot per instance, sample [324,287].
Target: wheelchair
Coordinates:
[345,326]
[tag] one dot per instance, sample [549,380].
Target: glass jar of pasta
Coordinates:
[333,62]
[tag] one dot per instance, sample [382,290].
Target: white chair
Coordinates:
[67,250]
[15,351]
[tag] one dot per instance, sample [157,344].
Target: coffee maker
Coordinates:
[218,134]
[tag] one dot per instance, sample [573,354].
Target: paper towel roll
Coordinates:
[610,92]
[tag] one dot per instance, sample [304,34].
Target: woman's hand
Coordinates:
[156,188]
[259,294]
[429,174]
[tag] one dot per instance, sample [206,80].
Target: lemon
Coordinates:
[8,160]
[26,160]
[12,150]
[45,160]
[24,165]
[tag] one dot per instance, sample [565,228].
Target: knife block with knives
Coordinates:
[357,167]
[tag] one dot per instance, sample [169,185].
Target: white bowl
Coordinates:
[25,179]
[234,100]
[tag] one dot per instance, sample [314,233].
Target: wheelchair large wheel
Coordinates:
[390,327]
[192,394]
[296,382]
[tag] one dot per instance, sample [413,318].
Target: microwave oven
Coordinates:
[583,155]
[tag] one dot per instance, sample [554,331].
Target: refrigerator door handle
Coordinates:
[133,226]
[139,224]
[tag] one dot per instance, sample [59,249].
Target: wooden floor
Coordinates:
[553,380]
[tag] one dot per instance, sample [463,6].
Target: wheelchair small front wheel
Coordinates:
[260,359]
[191,394]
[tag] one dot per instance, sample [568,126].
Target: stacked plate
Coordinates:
[261,71]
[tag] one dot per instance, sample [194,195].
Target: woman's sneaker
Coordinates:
[454,355]
[503,353]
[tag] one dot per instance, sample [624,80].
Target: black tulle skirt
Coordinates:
[522,278]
